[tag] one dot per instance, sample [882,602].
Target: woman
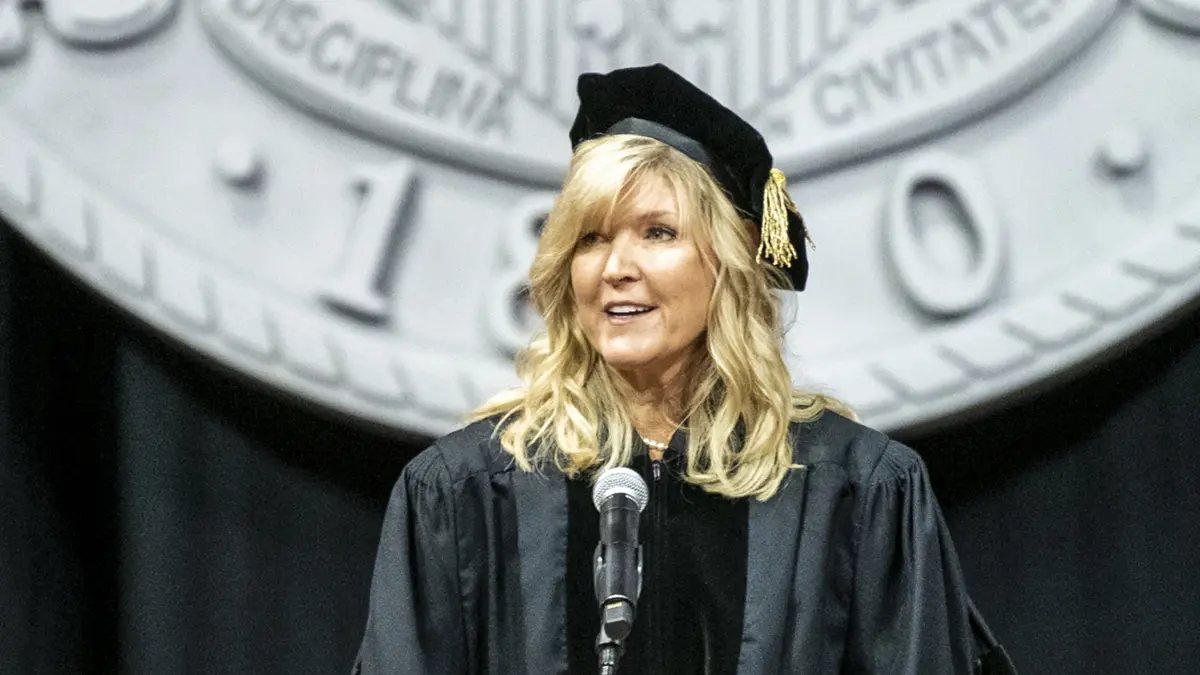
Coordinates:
[781,537]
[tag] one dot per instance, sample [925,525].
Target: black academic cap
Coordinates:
[657,102]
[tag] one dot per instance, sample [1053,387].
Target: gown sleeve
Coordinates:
[910,612]
[414,621]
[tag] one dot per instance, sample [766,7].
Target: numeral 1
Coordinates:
[358,285]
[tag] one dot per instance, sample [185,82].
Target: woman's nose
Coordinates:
[621,265]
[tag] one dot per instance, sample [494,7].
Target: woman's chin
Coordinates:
[627,360]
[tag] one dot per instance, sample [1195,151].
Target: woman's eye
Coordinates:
[589,238]
[660,232]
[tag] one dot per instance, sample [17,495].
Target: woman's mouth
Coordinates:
[622,314]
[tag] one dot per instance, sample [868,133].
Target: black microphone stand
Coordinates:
[610,653]
[616,619]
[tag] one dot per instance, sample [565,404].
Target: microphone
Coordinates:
[620,495]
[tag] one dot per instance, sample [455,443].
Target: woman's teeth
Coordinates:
[628,311]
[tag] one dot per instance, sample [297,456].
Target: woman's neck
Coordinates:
[655,415]
[655,403]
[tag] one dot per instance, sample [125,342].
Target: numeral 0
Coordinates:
[933,288]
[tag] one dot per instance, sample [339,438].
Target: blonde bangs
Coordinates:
[606,178]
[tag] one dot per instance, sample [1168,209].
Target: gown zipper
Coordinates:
[656,525]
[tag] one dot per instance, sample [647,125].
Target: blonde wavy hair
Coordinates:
[739,399]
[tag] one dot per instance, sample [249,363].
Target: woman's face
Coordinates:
[642,288]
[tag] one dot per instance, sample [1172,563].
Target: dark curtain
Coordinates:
[161,515]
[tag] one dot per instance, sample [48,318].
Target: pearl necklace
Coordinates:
[654,444]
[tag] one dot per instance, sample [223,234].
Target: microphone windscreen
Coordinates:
[621,480]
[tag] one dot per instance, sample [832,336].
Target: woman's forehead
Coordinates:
[646,198]
[652,195]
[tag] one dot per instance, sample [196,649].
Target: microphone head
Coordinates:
[621,480]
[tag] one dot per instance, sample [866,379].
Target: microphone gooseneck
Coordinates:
[620,495]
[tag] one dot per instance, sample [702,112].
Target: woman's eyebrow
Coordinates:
[655,215]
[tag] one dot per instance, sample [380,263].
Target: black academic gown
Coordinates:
[848,569]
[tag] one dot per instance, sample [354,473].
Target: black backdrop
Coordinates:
[162,516]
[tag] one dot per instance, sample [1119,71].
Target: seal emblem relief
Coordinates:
[481,82]
[341,198]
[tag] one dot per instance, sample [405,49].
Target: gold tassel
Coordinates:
[773,235]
